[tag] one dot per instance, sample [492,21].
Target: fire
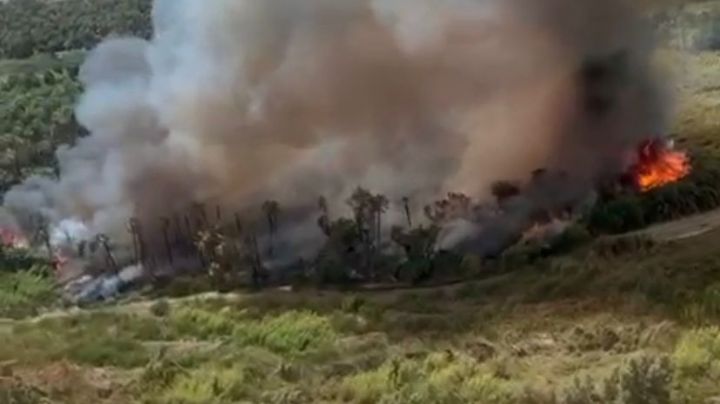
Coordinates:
[59,261]
[10,238]
[659,164]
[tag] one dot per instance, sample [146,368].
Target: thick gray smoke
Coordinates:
[236,101]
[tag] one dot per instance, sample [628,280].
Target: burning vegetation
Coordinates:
[659,164]
[237,104]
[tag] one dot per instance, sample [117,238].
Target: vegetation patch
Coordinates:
[446,377]
[25,293]
[67,24]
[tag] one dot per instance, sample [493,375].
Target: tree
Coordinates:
[504,190]
[406,207]
[342,252]
[368,210]
[454,206]
[324,219]
[272,211]
[419,247]
[378,205]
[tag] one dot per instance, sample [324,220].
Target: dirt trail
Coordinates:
[683,228]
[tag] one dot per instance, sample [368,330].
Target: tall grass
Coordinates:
[24,293]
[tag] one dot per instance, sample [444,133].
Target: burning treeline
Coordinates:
[238,102]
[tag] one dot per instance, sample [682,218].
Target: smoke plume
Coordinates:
[234,102]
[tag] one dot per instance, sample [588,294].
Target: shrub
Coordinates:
[643,380]
[697,353]
[617,215]
[202,323]
[17,393]
[703,307]
[445,377]
[694,194]
[352,304]
[24,293]
[243,376]
[108,351]
[291,333]
[183,286]
[208,384]
[18,259]
[573,237]
[160,308]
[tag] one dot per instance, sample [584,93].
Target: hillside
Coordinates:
[624,308]
[519,337]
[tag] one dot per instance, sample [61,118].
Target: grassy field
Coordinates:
[618,315]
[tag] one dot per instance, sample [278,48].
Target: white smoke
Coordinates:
[236,101]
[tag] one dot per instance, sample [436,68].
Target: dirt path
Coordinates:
[683,228]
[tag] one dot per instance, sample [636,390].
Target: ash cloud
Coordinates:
[236,101]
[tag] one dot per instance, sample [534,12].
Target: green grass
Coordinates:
[24,293]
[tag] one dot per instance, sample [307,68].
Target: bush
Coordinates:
[445,377]
[17,393]
[17,259]
[202,323]
[104,351]
[352,304]
[24,293]
[694,194]
[697,353]
[293,333]
[247,375]
[644,380]
[208,384]
[573,237]
[617,216]
[703,307]
[160,308]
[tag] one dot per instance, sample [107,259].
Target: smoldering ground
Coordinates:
[234,102]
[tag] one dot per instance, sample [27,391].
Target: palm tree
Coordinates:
[378,205]
[361,202]
[406,207]
[324,220]
[272,210]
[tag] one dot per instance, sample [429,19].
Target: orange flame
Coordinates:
[659,164]
[12,239]
[59,261]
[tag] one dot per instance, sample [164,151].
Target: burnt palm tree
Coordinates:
[361,202]
[324,220]
[378,205]
[406,207]
[272,210]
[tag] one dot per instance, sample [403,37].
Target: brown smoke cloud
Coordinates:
[236,101]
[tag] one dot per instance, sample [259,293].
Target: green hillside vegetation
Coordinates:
[36,118]
[29,27]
